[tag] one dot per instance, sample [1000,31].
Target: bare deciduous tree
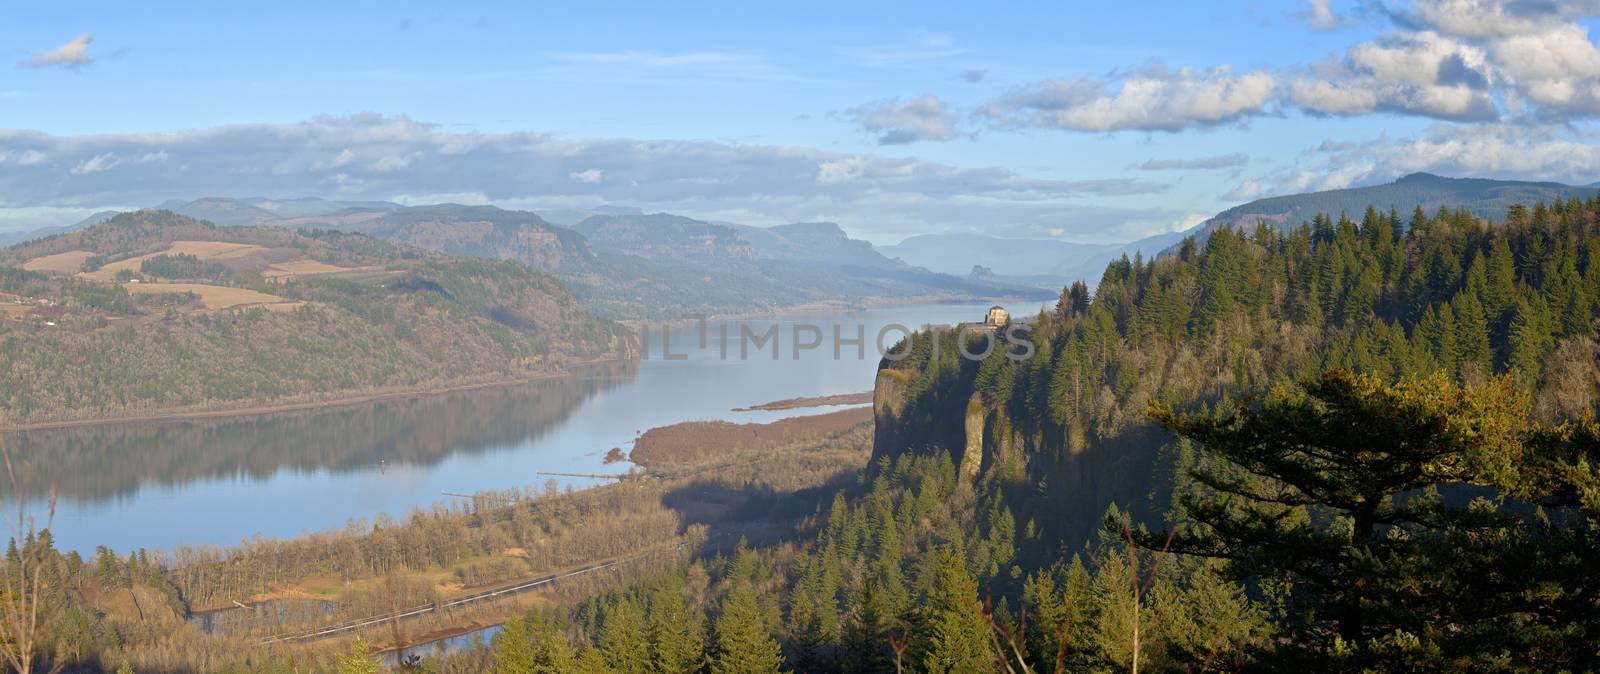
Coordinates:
[22,590]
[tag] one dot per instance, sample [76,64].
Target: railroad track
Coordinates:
[423,609]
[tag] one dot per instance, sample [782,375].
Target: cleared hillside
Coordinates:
[153,313]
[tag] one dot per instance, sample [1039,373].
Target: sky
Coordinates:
[1092,122]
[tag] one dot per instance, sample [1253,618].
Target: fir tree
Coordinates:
[743,645]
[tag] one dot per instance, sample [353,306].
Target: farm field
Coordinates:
[217,297]
[69,262]
[282,271]
[206,251]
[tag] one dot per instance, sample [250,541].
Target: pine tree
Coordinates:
[677,643]
[1349,446]
[1473,349]
[743,645]
[867,632]
[513,651]
[1501,291]
[356,659]
[952,635]
[1529,338]
[622,637]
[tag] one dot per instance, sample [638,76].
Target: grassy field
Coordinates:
[207,251]
[217,297]
[69,262]
[283,271]
[214,297]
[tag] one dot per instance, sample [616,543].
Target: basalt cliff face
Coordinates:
[938,404]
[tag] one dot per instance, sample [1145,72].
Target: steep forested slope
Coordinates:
[1483,197]
[1213,324]
[1370,472]
[155,312]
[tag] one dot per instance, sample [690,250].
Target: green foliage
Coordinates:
[182,266]
[953,635]
[356,659]
[1336,493]
[743,645]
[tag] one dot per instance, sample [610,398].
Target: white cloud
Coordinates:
[370,156]
[1319,14]
[1496,18]
[1455,60]
[1555,153]
[590,176]
[1150,100]
[1188,222]
[1423,74]
[926,47]
[897,122]
[1221,161]
[1467,60]
[104,162]
[73,53]
[1246,191]
[23,158]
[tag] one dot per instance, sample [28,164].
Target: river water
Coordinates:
[220,481]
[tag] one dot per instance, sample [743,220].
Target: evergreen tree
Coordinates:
[357,660]
[622,637]
[743,645]
[1529,340]
[1362,573]
[513,652]
[953,634]
[676,639]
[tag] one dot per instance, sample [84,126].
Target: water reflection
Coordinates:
[164,484]
[98,463]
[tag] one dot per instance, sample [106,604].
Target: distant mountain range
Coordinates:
[1044,262]
[624,263]
[1484,198]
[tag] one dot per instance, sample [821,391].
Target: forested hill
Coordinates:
[153,313]
[1482,197]
[1449,292]
[1423,513]
[1235,328]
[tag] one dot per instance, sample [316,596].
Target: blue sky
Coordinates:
[1080,121]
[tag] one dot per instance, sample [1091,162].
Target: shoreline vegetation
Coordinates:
[860,398]
[693,507]
[333,400]
[688,442]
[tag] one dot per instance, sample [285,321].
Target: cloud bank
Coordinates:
[370,156]
[1153,99]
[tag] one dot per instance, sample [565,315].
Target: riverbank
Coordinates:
[336,400]
[861,398]
[470,567]
[689,442]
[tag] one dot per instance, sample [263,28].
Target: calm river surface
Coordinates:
[159,485]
